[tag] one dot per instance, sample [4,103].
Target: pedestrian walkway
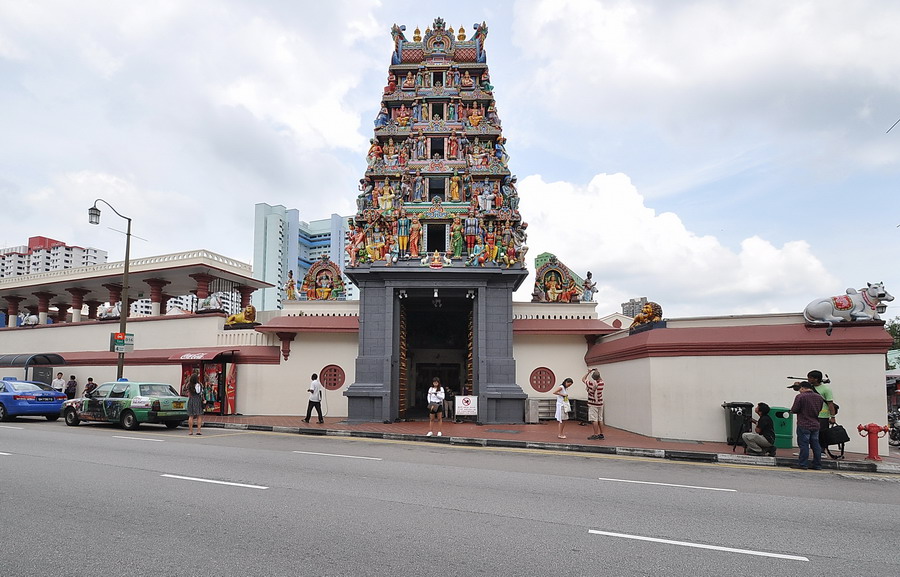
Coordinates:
[544,436]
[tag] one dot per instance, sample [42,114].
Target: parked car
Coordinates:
[129,404]
[23,398]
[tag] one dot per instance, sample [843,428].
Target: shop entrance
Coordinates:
[435,341]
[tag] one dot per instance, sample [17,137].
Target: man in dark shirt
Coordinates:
[762,442]
[807,405]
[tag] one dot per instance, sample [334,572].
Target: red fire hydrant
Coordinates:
[874,432]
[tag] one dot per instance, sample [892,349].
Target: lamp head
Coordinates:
[94,215]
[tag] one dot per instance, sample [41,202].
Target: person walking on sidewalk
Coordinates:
[594,385]
[762,442]
[435,399]
[315,399]
[807,405]
[195,405]
[562,405]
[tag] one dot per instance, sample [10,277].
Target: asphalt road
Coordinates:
[96,500]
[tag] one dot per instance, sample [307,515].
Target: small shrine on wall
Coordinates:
[437,244]
[322,282]
[555,283]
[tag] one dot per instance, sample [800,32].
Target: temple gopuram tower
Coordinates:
[437,244]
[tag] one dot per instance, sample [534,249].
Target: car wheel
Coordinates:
[172,424]
[72,417]
[4,416]
[52,418]
[129,421]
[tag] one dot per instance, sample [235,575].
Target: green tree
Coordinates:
[893,328]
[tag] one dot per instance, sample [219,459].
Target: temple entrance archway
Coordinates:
[435,341]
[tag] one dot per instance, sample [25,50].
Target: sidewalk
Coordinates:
[543,436]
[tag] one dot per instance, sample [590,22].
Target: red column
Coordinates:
[63,312]
[115,293]
[246,293]
[12,309]
[156,287]
[203,281]
[77,302]
[43,305]
[92,305]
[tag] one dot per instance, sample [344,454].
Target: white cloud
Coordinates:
[606,228]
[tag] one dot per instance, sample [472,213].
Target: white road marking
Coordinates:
[701,546]
[213,481]
[333,455]
[668,485]
[8,427]
[6,454]
[137,438]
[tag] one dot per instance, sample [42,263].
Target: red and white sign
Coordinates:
[466,405]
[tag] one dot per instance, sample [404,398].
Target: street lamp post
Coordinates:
[94,218]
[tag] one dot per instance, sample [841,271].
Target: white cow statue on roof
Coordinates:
[856,305]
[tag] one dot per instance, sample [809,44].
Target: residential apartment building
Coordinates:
[43,254]
[282,243]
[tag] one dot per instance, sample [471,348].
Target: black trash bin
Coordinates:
[739,418]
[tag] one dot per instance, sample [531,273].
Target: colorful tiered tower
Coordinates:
[438,186]
[437,244]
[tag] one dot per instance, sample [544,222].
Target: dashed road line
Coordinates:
[333,455]
[668,485]
[701,546]
[198,479]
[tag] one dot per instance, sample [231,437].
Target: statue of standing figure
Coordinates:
[588,288]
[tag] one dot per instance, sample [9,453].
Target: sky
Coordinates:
[715,157]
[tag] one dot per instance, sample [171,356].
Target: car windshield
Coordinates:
[159,390]
[25,386]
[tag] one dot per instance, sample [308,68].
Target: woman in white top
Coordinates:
[562,400]
[435,406]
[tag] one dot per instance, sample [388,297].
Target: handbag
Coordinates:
[833,435]
[434,408]
[567,407]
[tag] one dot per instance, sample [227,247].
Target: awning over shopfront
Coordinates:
[31,360]
[260,355]
[199,355]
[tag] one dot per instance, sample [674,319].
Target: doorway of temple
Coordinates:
[435,341]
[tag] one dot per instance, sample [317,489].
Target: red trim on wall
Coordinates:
[251,355]
[311,324]
[795,339]
[561,327]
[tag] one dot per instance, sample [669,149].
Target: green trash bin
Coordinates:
[784,427]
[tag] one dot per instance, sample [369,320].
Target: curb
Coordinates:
[671,455]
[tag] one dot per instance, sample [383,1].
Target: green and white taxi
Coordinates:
[129,404]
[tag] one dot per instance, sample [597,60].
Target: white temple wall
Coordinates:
[681,397]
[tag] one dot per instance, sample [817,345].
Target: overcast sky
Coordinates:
[715,157]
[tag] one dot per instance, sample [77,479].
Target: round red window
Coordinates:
[332,377]
[542,379]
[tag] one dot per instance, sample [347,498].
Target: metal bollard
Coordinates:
[874,432]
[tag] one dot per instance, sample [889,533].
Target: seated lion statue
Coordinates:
[248,315]
[650,313]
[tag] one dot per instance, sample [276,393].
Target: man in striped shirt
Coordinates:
[594,385]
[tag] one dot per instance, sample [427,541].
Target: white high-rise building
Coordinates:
[44,254]
[282,243]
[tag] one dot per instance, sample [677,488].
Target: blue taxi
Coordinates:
[24,398]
